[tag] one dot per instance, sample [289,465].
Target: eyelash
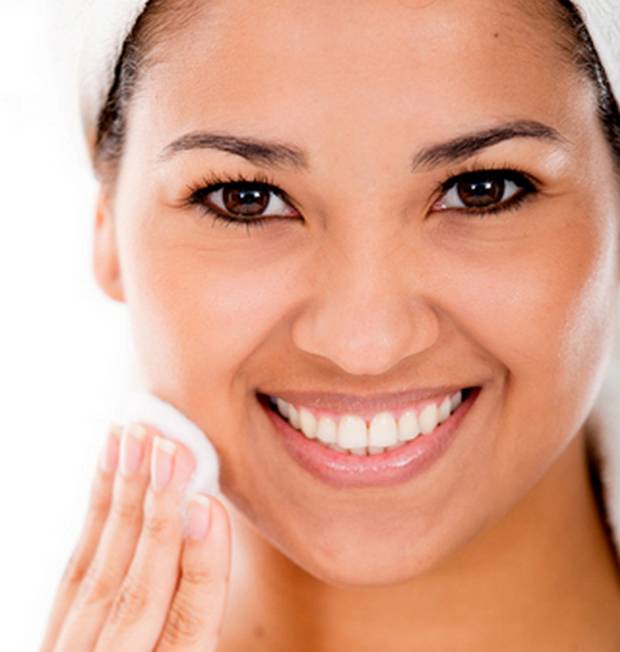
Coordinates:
[213,182]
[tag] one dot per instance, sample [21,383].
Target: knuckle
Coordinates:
[126,511]
[129,603]
[157,528]
[184,625]
[97,587]
[99,503]
[197,577]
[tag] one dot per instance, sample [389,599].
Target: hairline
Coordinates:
[162,20]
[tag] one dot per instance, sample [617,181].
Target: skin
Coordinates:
[136,575]
[499,544]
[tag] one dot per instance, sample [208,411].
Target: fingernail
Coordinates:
[108,459]
[132,446]
[162,462]
[198,516]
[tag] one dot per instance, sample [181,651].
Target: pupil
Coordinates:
[481,193]
[245,202]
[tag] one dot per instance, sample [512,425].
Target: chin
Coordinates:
[366,570]
[341,558]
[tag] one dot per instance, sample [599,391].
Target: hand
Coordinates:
[137,580]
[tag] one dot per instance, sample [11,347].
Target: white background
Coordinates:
[66,352]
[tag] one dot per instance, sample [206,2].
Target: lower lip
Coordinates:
[345,470]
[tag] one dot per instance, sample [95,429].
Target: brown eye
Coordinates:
[480,193]
[485,191]
[245,201]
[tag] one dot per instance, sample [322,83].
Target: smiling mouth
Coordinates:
[368,434]
[356,466]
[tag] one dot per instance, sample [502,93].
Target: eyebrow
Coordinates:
[260,152]
[464,147]
[269,153]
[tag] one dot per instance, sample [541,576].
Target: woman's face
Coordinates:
[373,280]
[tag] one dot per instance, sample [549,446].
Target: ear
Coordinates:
[105,252]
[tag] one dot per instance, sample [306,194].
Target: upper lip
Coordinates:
[340,402]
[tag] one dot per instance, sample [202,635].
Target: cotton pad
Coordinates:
[147,408]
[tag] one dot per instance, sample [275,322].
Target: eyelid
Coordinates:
[527,183]
[214,182]
[273,192]
[507,171]
[475,169]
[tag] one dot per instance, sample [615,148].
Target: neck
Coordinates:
[544,577]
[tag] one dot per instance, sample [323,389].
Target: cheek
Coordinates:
[198,315]
[543,313]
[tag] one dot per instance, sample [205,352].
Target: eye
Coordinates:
[240,201]
[482,192]
[248,200]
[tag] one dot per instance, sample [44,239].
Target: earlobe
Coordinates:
[105,251]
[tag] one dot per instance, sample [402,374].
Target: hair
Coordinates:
[161,18]
[582,52]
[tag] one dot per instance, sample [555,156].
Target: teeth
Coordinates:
[308,423]
[282,406]
[444,409]
[383,430]
[293,416]
[326,430]
[408,427]
[428,418]
[352,432]
[350,435]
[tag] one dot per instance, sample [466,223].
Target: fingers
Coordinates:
[138,578]
[197,610]
[116,546]
[139,611]
[98,507]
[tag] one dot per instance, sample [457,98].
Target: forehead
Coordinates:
[332,67]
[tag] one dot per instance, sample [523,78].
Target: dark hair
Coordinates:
[583,53]
[158,21]
[162,16]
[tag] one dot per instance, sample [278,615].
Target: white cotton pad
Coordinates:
[149,409]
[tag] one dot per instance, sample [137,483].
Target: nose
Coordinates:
[366,311]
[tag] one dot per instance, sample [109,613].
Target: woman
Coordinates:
[399,216]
